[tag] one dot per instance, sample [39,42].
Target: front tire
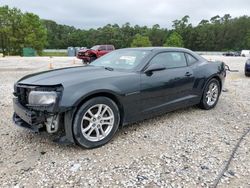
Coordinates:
[93,58]
[84,61]
[96,122]
[210,95]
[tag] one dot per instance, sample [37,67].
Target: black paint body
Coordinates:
[137,94]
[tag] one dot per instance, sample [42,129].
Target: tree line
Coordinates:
[18,30]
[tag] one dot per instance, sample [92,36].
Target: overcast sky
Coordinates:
[87,14]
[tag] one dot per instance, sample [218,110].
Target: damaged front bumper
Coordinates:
[84,58]
[34,120]
[38,121]
[26,118]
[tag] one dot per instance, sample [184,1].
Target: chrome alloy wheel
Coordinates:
[212,94]
[97,122]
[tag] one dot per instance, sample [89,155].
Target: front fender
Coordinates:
[73,96]
[125,89]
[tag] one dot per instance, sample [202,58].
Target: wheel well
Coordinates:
[104,94]
[93,55]
[217,78]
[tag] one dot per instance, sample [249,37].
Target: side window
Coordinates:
[170,59]
[191,59]
[109,47]
[102,48]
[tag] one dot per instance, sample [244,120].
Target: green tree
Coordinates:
[140,41]
[215,19]
[15,32]
[181,24]
[184,29]
[4,29]
[18,30]
[157,35]
[174,40]
[247,39]
[34,32]
[215,34]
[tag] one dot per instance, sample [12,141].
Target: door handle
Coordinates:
[188,74]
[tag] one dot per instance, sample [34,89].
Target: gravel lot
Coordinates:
[185,148]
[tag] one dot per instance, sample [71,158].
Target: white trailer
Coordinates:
[245,53]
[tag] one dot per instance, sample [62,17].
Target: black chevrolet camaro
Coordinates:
[88,104]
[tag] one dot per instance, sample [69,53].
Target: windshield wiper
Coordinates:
[109,68]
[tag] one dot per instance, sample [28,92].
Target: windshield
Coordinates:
[121,59]
[95,47]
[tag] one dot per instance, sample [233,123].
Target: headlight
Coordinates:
[42,97]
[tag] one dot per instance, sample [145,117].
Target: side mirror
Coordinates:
[154,67]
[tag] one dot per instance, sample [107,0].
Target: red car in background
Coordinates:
[89,55]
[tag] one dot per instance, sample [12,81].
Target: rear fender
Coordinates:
[217,70]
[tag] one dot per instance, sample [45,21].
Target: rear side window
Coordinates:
[102,48]
[170,59]
[109,47]
[191,59]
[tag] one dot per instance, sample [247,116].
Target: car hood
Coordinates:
[71,75]
[84,50]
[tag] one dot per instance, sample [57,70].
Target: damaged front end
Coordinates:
[37,108]
[84,55]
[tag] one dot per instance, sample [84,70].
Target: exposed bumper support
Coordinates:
[21,123]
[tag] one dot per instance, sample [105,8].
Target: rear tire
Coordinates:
[210,95]
[96,122]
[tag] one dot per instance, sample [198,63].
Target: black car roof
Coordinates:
[159,48]
[162,49]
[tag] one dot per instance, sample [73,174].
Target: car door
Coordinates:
[102,50]
[167,89]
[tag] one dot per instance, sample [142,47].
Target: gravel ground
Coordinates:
[185,148]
